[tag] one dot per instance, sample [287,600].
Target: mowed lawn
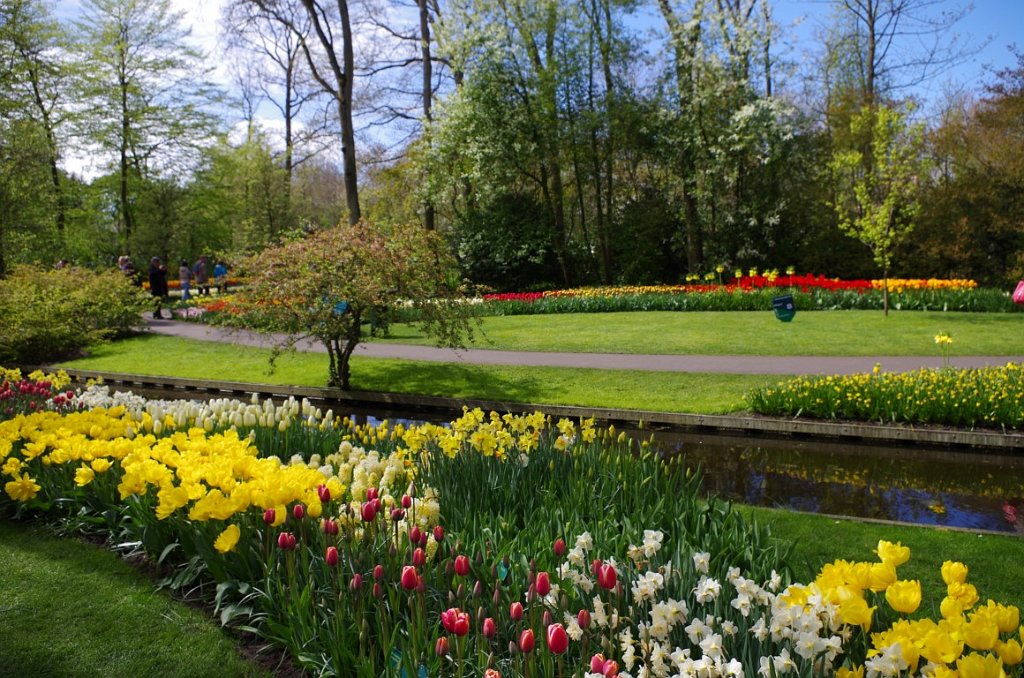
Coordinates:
[812,333]
[699,393]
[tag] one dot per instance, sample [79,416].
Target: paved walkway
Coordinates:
[726,364]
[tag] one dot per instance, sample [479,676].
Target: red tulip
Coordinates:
[357,582]
[515,611]
[546,619]
[397,514]
[368,512]
[491,673]
[583,619]
[378,590]
[406,501]
[419,556]
[377,504]
[438,534]
[423,541]
[611,669]
[269,516]
[490,629]
[323,493]
[526,641]
[330,526]
[597,663]
[558,639]
[441,647]
[559,547]
[455,621]
[286,541]
[378,572]
[371,493]
[607,577]
[462,566]
[410,580]
[543,584]
[331,556]
[414,534]
[595,567]
[299,511]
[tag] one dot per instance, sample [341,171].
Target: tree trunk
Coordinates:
[428,93]
[348,138]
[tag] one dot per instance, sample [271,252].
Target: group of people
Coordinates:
[198,273]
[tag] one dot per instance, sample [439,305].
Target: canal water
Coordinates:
[974,490]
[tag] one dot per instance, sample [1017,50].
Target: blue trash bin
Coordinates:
[784,307]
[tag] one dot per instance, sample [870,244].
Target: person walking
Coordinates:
[202,275]
[158,285]
[185,278]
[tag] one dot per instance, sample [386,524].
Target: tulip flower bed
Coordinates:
[498,545]
[755,293]
[990,397]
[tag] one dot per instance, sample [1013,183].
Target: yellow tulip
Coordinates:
[227,539]
[855,612]
[856,672]
[980,666]
[84,475]
[980,632]
[904,596]
[1010,652]
[954,572]
[888,552]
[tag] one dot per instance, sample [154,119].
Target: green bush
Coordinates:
[48,314]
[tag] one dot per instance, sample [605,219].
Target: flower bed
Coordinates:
[990,397]
[498,545]
[755,293]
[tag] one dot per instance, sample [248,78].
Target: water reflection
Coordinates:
[929,487]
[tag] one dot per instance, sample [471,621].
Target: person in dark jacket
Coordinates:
[158,285]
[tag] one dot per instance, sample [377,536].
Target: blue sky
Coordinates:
[1000,22]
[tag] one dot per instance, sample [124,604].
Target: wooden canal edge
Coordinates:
[442,407]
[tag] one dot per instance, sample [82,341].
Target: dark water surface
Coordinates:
[975,490]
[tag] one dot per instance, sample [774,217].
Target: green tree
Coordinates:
[877,202]
[149,101]
[326,285]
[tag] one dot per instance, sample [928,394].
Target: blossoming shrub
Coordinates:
[47,314]
[989,397]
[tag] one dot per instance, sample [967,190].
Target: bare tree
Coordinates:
[278,73]
[899,44]
[332,67]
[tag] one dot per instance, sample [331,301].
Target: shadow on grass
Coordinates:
[447,379]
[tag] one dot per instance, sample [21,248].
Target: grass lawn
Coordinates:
[699,393]
[991,559]
[850,333]
[72,609]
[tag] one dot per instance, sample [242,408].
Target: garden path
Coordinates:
[724,364]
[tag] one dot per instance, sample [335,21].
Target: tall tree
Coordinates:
[148,96]
[41,75]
